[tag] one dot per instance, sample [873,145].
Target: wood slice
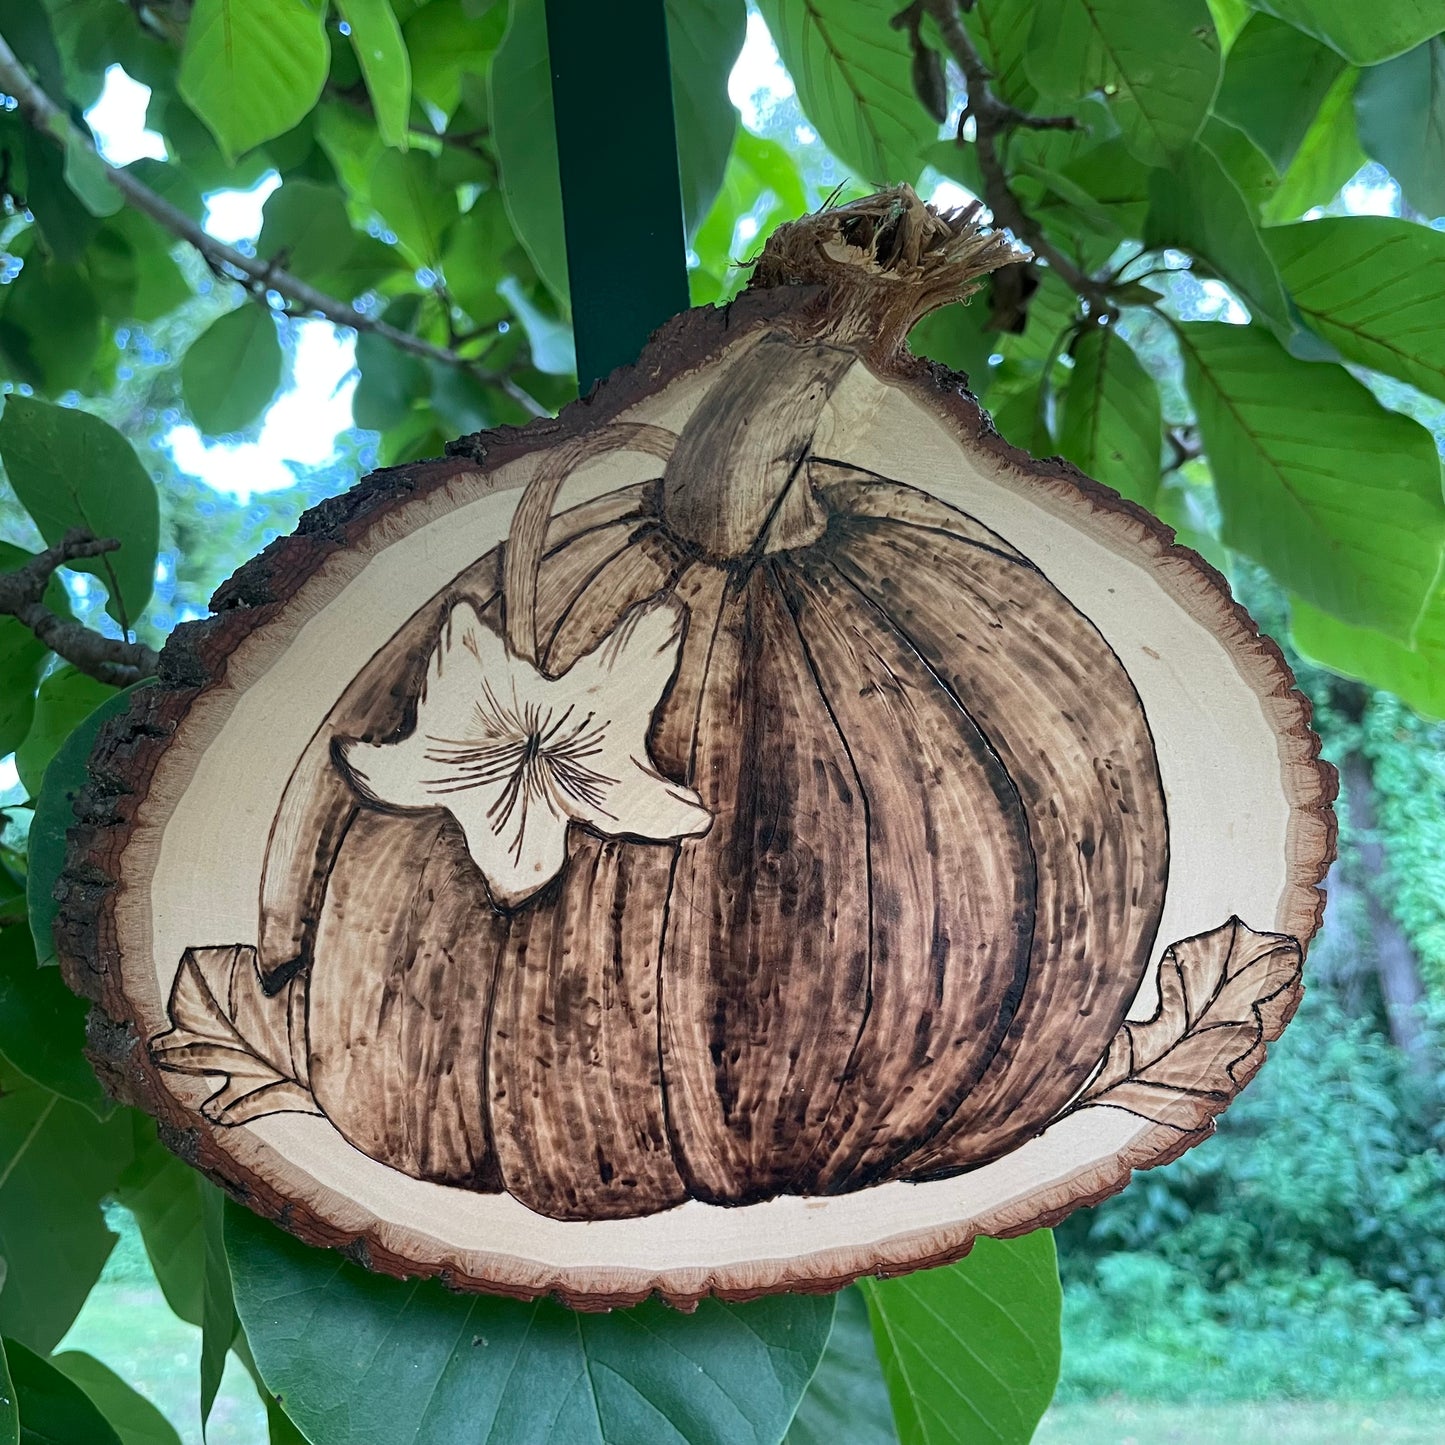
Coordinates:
[860,836]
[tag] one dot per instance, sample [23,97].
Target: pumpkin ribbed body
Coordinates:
[927,897]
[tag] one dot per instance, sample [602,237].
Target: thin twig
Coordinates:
[22,596]
[257,275]
[993,118]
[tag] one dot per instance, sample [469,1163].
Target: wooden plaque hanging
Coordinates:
[755,830]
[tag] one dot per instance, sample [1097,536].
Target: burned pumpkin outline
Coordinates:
[282,974]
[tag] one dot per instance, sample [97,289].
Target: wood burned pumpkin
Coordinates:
[760,790]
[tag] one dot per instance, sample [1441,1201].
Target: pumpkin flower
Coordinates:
[516,756]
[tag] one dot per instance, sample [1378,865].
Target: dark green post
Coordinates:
[621,194]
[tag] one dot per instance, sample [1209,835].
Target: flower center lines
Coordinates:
[540,754]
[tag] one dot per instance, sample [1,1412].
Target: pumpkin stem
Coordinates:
[884,262]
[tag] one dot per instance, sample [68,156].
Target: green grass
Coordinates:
[1285,1422]
[127,1324]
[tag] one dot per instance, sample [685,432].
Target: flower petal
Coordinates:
[518,851]
[629,670]
[644,804]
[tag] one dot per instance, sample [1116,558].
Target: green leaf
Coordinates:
[22,656]
[134,1419]
[1275,80]
[1363,32]
[59,1163]
[1158,63]
[9,1411]
[1111,427]
[854,77]
[450,39]
[408,195]
[1197,207]
[71,469]
[704,38]
[252,68]
[164,1196]
[50,327]
[1021,420]
[54,815]
[847,1402]
[54,1410]
[1415,673]
[971,1353]
[526,143]
[42,1025]
[1001,30]
[218,1305]
[89,176]
[1338,497]
[958,337]
[1328,156]
[1400,107]
[66,697]
[391,381]
[305,229]
[1230,17]
[1374,287]
[376,38]
[481,250]
[479,1367]
[232,369]
[550,339]
[65,223]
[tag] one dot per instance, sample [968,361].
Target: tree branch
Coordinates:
[22,593]
[256,275]
[993,118]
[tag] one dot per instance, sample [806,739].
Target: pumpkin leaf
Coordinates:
[71,469]
[1400,107]
[1111,426]
[1339,497]
[1414,673]
[53,1409]
[854,74]
[1222,997]
[478,1367]
[232,369]
[971,1353]
[1158,63]
[60,1163]
[251,69]
[1372,286]
[847,1399]
[385,64]
[1275,80]
[1363,33]
[133,1418]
